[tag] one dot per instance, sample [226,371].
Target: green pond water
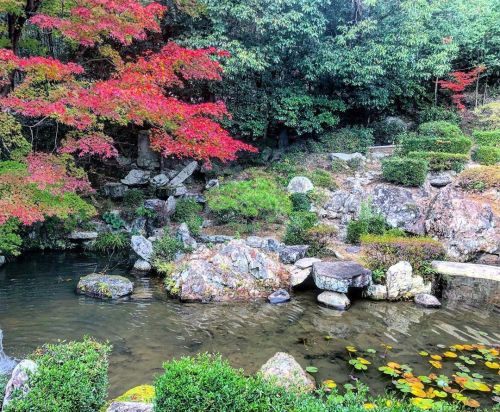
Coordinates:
[38,305]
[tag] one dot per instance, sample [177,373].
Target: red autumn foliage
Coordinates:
[461,80]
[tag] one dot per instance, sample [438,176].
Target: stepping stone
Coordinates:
[340,276]
[334,300]
[427,301]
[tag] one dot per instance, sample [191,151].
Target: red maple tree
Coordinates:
[461,80]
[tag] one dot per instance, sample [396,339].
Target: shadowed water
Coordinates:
[38,305]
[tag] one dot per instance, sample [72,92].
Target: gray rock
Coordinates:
[19,381]
[215,238]
[273,245]
[256,241]
[305,263]
[427,301]
[180,190]
[142,246]
[290,254]
[114,190]
[440,179]
[154,204]
[280,296]
[82,235]
[212,183]
[227,272]
[138,225]
[146,158]
[334,300]
[137,177]
[340,276]
[185,237]
[142,266]
[159,180]
[130,407]
[376,292]
[184,174]
[348,157]
[398,280]
[2,261]
[98,285]
[123,161]
[170,206]
[286,372]
[299,276]
[300,184]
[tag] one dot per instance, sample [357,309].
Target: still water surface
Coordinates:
[38,305]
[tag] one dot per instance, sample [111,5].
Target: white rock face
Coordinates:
[299,276]
[142,265]
[19,380]
[376,292]
[305,263]
[335,300]
[287,372]
[143,247]
[137,177]
[300,184]
[398,280]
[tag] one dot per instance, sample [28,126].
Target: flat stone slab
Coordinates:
[334,300]
[306,262]
[340,276]
[470,284]
[104,286]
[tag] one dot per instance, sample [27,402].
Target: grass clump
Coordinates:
[367,223]
[166,248]
[405,171]
[110,242]
[133,198]
[383,251]
[300,202]
[70,377]
[479,179]
[188,210]
[249,200]
[297,227]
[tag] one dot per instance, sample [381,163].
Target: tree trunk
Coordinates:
[283,139]
[436,91]
[477,91]
[16,23]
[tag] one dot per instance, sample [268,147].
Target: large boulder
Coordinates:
[335,300]
[427,300]
[290,254]
[184,174]
[18,383]
[159,180]
[184,235]
[147,158]
[398,280]
[285,371]
[142,246]
[114,190]
[130,407]
[104,286]
[227,272]
[300,184]
[137,177]
[340,276]
[466,224]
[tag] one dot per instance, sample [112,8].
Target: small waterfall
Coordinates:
[6,363]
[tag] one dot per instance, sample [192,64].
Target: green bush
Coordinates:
[348,140]
[114,220]
[297,227]
[300,202]
[412,143]
[133,198]
[440,129]
[3,383]
[10,241]
[248,200]
[356,229]
[487,137]
[404,171]
[186,209]
[486,155]
[383,251]
[71,377]
[166,247]
[442,161]
[387,130]
[433,113]
[319,238]
[322,178]
[110,242]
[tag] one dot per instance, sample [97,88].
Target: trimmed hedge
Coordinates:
[486,155]
[404,170]
[412,143]
[71,377]
[381,252]
[487,138]
[348,140]
[440,128]
[442,161]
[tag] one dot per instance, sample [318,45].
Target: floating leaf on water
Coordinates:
[364,361]
[423,353]
[450,354]
[329,384]
[351,349]
[349,387]
[371,351]
[436,364]
[424,404]
[328,337]
[492,365]
[425,379]
[418,392]
[477,376]
[440,394]
[467,360]
[312,369]
[496,389]
[393,365]
[389,371]
[436,357]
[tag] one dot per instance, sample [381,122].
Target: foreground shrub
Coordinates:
[249,200]
[367,223]
[300,202]
[412,143]
[439,161]
[133,198]
[440,128]
[297,227]
[318,238]
[166,248]
[487,137]
[486,155]
[480,178]
[70,377]
[381,252]
[188,210]
[404,170]
[322,178]
[348,140]
[110,242]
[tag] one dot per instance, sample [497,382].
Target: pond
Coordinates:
[38,305]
